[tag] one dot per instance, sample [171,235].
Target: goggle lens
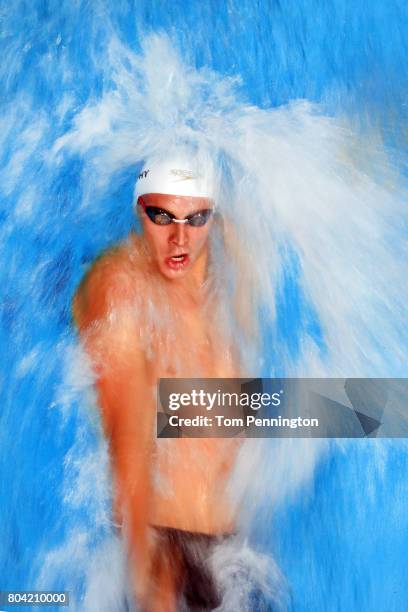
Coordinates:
[162,217]
[159,217]
[199,218]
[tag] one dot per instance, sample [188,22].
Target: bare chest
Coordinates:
[195,347]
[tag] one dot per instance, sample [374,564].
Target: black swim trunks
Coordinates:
[197,586]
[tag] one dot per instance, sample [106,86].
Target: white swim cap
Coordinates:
[177,176]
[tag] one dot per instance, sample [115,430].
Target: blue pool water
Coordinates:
[332,516]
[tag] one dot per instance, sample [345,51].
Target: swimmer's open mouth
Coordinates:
[176,262]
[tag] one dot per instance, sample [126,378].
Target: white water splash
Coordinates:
[241,572]
[293,178]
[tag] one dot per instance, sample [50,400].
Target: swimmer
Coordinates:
[145,310]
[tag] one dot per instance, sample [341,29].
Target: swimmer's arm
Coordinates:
[110,336]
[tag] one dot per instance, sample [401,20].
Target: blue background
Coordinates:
[341,540]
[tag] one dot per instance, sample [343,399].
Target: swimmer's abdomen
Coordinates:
[191,477]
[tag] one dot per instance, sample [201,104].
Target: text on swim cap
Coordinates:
[184,175]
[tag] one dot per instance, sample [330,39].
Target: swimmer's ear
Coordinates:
[219,221]
[218,228]
[138,217]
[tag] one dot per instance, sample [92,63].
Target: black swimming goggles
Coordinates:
[159,216]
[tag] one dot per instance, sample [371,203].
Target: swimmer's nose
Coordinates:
[179,234]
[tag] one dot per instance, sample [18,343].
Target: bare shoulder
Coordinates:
[114,280]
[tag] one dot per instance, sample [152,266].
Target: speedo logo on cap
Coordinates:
[183,175]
